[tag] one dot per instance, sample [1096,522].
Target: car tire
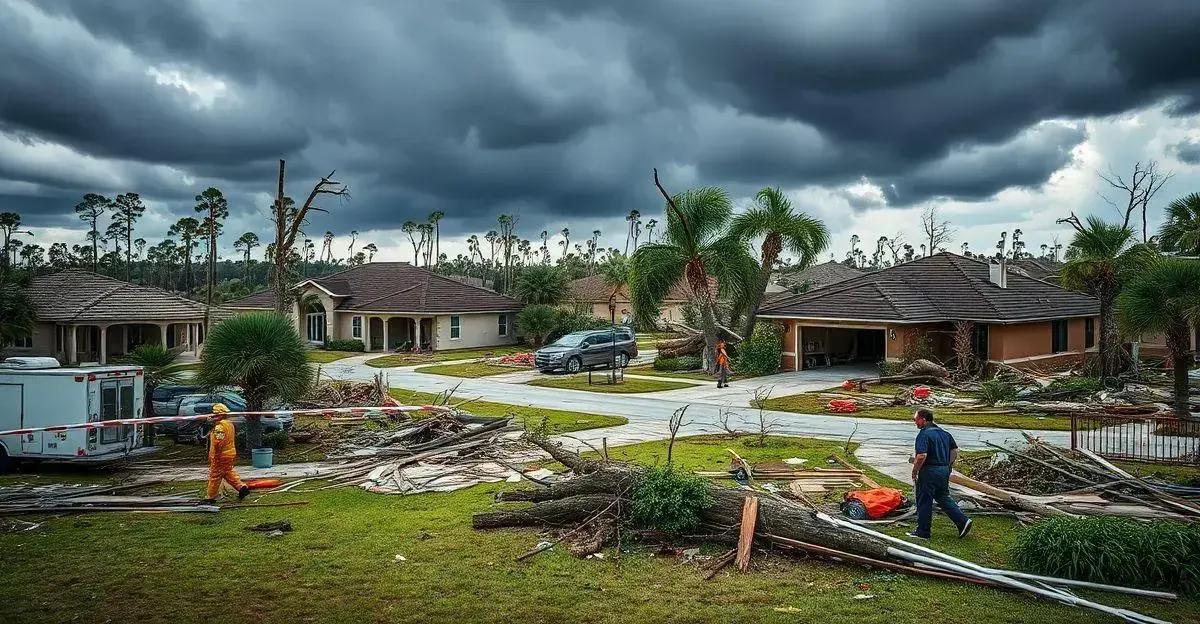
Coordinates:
[547,371]
[6,463]
[574,365]
[622,360]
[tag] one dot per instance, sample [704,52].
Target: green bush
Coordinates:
[536,322]
[1118,551]
[274,439]
[917,346]
[681,363]
[1065,387]
[669,500]
[995,391]
[760,354]
[568,321]
[345,345]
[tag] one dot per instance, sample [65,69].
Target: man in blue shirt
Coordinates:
[936,453]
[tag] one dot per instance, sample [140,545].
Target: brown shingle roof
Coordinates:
[824,274]
[593,289]
[942,287]
[396,287]
[82,296]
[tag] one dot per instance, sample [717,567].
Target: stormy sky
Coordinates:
[998,113]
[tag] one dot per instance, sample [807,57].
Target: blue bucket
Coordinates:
[262,457]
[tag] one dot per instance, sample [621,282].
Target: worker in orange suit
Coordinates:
[222,451]
[722,365]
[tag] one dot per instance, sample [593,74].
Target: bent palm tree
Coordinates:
[693,247]
[1181,232]
[773,219]
[1104,259]
[263,355]
[1166,300]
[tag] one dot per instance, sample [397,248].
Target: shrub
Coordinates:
[1118,551]
[567,321]
[540,285]
[536,322]
[917,346]
[995,391]
[681,363]
[274,439]
[345,345]
[669,500]
[888,368]
[761,353]
[1064,387]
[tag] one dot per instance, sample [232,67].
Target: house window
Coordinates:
[455,327]
[316,327]
[1089,333]
[503,324]
[356,327]
[1058,336]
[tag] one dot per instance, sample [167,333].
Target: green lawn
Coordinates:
[470,369]
[628,386]
[321,356]
[812,403]
[556,421]
[410,359]
[340,565]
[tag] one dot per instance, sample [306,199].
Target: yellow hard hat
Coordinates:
[219,408]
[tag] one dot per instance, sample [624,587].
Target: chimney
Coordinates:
[998,273]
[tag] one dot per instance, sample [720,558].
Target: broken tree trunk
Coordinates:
[1006,498]
[746,533]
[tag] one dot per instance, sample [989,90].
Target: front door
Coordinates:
[316,328]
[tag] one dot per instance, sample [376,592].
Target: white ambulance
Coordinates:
[37,392]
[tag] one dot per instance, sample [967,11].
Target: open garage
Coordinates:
[829,345]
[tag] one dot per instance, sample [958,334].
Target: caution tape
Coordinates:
[153,420]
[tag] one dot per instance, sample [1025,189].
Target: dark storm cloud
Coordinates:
[558,110]
[1187,151]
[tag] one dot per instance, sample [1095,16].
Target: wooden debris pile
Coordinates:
[61,498]
[331,393]
[691,341]
[1046,480]
[594,503]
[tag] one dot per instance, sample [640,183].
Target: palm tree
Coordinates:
[773,219]
[540,285]
[630,218]
[1165,299]
[1104,259]
[435,217]
[371,250]
[158,367]
[566,241]
[353,239]
[263,355]
[1181,232]
[536,322]
[245,243]
[693,247]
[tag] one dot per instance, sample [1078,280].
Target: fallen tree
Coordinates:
[601,496]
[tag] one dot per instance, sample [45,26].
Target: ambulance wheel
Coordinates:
[6,463]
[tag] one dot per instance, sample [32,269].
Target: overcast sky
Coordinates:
[999,113]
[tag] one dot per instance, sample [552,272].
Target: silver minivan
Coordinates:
[596,348]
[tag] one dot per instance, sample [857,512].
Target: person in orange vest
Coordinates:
[722,365]
[222,451]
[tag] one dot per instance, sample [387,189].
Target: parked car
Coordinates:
[597,348]
[165,398]
[195,404]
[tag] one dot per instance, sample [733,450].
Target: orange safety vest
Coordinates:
[222,443]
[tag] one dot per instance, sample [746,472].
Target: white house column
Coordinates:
[417,332]
[104,344]
[71,345]
[799,347]
[196,343]
[125,339]
[162,329]
[366,332]
[386,349]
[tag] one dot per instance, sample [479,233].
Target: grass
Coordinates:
[629,386]
[812,403]
[339,565]
[321,356]
[556,421]
[470,369]
[410,359]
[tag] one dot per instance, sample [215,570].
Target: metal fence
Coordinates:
[1154,439]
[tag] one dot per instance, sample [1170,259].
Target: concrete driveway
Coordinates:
[648,414]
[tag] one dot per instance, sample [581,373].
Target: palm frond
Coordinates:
[1181,231]
[653,270]
[261,353]
[1164,297]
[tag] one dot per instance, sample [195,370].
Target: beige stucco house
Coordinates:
[395,305]
[86,317]
[594,295]
[1018,320]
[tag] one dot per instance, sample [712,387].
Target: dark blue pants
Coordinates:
[933,484]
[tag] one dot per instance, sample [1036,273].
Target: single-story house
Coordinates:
[395,305]
[86,317]
[1017,320]
[811,278]
[596,296]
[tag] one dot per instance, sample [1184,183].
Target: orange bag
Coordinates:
[879,501]
[842,406]
[921,392]
[263,484]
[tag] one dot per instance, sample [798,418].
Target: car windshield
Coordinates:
[570,340]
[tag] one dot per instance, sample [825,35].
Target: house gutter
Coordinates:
[922,322]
